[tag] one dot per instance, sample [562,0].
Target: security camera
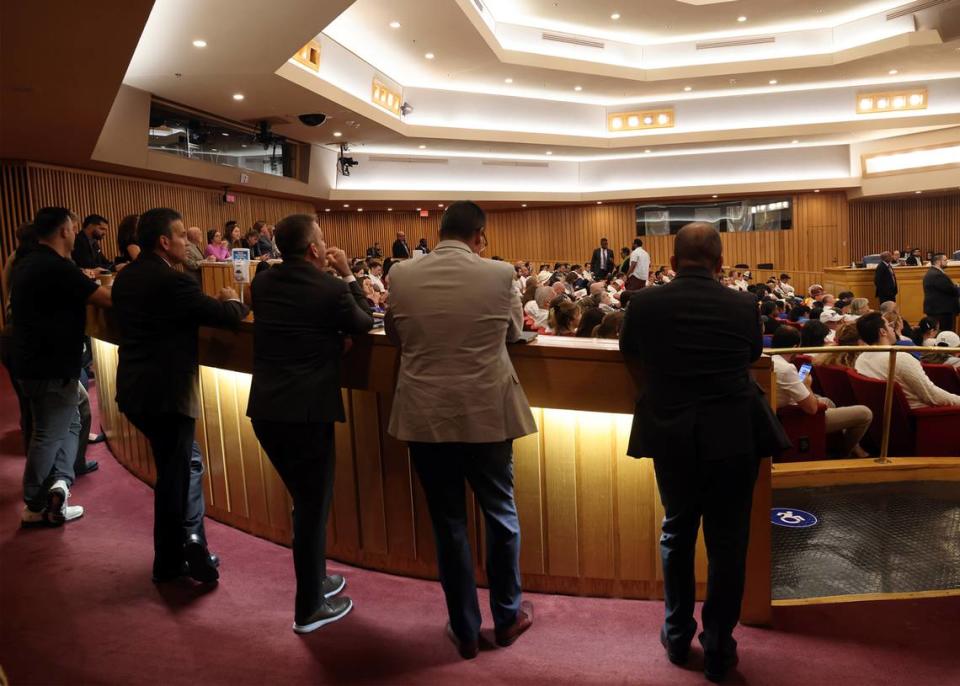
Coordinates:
[406,108]
[312,119]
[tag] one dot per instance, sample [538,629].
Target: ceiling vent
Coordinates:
[735,43]
[512,163]
[408,160]
[573,40]
[915,7]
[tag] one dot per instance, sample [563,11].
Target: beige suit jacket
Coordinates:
[454,312]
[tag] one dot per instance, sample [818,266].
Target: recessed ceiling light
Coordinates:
[199,43]
[893,72]
[214,150]
[429,55]
[816,190]
[418,209]
[440,205]
[741,19]
[578,88]
[615,16]
[599,202]
[389,209]
[337,134]
[422,147]
[238,96]
[224,133]
[713,196]
[523,205]
[244,145]
[648,151]
[794,141]
[346,205]
[773,82]
[508,80]
[688,88]
[327,209]
[549,152]
[394,25]
[918,192]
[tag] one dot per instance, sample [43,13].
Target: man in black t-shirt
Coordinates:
[86,250]
[49,302]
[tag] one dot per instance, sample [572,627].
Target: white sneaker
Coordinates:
[58,510]
[29,518]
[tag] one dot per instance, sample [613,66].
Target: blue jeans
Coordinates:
[488,467]
[56,433]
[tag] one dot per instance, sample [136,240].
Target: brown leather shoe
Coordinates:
[524,621]
[467,649]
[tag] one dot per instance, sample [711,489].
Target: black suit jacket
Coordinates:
[595,263]
[940,295]
[885,282]
[300,317]
[400,249]
[160,311]
[689,345]
[87,255]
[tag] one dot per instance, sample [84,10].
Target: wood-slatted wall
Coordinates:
[929,223]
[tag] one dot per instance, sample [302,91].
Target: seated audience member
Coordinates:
[925,330]
[530,292]
[833,320]
[590,319]
[914,259]
[599,292]
[194,254]
[892,306]
[896,323]
[847,336]
[852,422]
[423,247]
[216,246]
[375,251]
[770,316]
[253,244]
[544,274]
[610,326]
[919,390]
[233,235]
[561,289]
[539,308]
[127,248]
[813,334]
[375,298]
[798,313]
[564,317]
[945,339]
[86,251]
[387,265]
[828,301]
[815,293]
[786,290]
[376,276]
[858,308]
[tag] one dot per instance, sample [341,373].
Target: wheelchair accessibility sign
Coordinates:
[792,518]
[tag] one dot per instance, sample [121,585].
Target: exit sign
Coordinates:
[424,213]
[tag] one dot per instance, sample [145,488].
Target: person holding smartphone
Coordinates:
[793,388]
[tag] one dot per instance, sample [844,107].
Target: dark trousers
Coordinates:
[86,420]
[178,494]
[948,322]
[303,455]
[634,284]
[721,493]
[488,467]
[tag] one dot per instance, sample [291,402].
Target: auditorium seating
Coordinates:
[834,384]
[926,431]
[945,376]
[807,432]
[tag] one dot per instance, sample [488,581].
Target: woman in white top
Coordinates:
[919,390]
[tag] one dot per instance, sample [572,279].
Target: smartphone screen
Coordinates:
[804,370]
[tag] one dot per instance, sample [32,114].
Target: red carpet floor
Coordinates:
[77,607]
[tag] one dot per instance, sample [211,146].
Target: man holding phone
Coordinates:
[793,388]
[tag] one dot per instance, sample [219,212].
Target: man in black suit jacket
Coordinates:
[160,310]
[703,420]
[86,249]
[400,247]
[884,279]
[601,264]
[941,297]
[301,315]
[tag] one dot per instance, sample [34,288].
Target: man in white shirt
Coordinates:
[784,286]
[639,266]
[833,320]
[376,272]
[919,390]
[852,422]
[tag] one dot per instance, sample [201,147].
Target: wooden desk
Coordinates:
[217,275]
[909,285]
[590,516]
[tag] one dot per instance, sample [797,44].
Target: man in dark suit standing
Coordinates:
[160,310]
[941,297]
[400,248]
[697,416]
[301,315]
[601,264]
[884,279]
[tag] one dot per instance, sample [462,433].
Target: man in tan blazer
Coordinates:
[459,405]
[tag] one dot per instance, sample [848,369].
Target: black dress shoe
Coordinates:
[168,574]
[676,654]
[201,565]
[467,649]
[89,466]
[332,585]
[716,666]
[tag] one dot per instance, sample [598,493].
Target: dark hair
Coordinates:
[610,326]
[562,314]
[462,220]
[252,233]
[814,334]
[845,295]
[637,243]
[294,234]
[210,234]
[925,325]
[127,230]
[257,225]
[624,251]
[48,220]
[387,263]
[869,327]
[768,307]
[604,239]
[784,277]
[94,219]
[229,225]
[26,239]
[589,320]
[373,263]
[785,337]
[797,312]
[153,224]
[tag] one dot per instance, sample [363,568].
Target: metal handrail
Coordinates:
[891,369]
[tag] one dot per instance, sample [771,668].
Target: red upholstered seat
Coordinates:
[834,384]
[807,432]
[945,376]
[925,432]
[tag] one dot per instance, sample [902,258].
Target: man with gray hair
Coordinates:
[191,263]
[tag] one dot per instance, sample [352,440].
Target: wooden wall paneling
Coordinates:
[636,522]
[345,509]
[560,446]
[528,494]
[597,488]
[397,487]
[219,494]
[925,222]
[229,421]
[367,454]
[15,209]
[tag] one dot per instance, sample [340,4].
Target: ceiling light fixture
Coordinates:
[224,133]
[422,147]
[238,96]
[523,205]
[429,55]
[599,202]
[893,72]
[394,25]
[741,19]
[816,190]
[389,209]
[549,152]
[346,205]
[578,88]
[615,16]
[892,101]
[633,121]
[773,82]
[384,97]
[440,205]
[794,141]
[508,80]
[713,196]
[918,192]
[199,43]
[337,134]
[359,209]
[327,209]
[687,89]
